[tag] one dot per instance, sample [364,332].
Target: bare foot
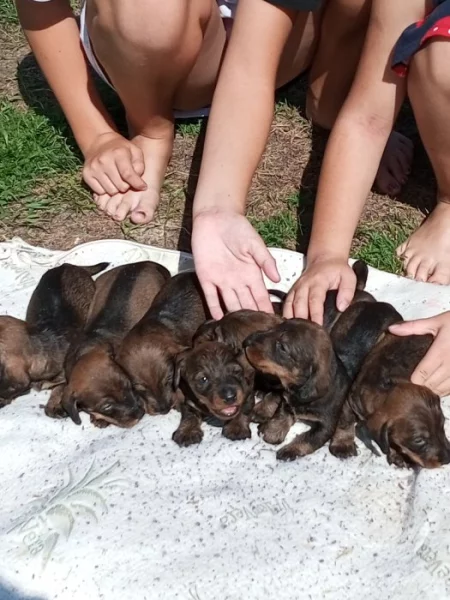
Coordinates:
[426,254]
[140,206]
[395,164]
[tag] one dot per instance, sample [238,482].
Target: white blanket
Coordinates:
[91,514]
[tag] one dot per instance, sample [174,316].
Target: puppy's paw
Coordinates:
[236,431]
[342,450]
[187,437]
[271,433]
[396,459]
[288,453]
[55,411]
[100,423]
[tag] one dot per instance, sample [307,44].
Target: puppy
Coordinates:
[405,419]
[149,351]
[32,352]
[313,380]
[96,384]
[215,380]
[232,330]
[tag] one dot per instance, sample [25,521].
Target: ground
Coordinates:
[43,201]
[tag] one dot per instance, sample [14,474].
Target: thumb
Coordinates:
[265,261]
[137,159]
[346,290]
[419,327]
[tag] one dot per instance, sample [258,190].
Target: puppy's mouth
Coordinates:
[229,411]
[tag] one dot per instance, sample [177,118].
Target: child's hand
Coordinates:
[229,259]
[307,296]
[113,165]
[433,371]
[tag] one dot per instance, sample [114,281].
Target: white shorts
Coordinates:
[227,9]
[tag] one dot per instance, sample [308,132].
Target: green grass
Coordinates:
[189,128]
[37,165]
[8,13]
[378,247]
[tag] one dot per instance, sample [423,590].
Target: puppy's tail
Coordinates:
[361,271]
[94,269]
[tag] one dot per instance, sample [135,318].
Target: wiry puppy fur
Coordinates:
[314,382]
[215,380]
[405,419]
[32,352]
[148,353]
[96,384]
[232,330]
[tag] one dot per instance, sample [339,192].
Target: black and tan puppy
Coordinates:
[148,353]
[32,352]
[405,419]
[96,384]
[299,354]
[232,330]
[215,380]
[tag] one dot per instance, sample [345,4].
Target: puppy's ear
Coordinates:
[383,440]
[180,361]
[207,332]
[69,404]
[318,382]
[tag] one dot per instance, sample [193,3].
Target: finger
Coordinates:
[443,389]
[137,160]
[246,299]
[128,173]
[107,184]
[93,183]
[288,306]
[418,327]
[316,302]
[266,261]
[212,300]
[427,366]
[436,381]
[230,299]
[301,303]
[260,295]
[346,291]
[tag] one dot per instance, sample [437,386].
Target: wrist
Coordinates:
[323,255]
[87,142]
[216,209]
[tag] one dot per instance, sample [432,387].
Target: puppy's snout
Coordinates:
[228,395]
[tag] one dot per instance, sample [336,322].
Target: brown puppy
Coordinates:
[149,351]
[215,380]
[32,352]
[314,383]
[232,330]
[405,420]
[96,384]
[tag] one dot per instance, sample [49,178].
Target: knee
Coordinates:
[146,25]
[429,67]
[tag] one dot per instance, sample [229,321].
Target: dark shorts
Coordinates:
[436,24]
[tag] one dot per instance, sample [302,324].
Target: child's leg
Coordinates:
[427,252]
[158,56]
[341,42]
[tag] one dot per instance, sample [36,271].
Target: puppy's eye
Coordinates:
[419,442]
[203,380]
[107,408]
[281,347]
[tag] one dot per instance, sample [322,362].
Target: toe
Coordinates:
[423,271]
[440,276]
[411,265]
[140,216]
[401,250]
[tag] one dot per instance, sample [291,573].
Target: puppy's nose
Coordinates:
[229,395]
